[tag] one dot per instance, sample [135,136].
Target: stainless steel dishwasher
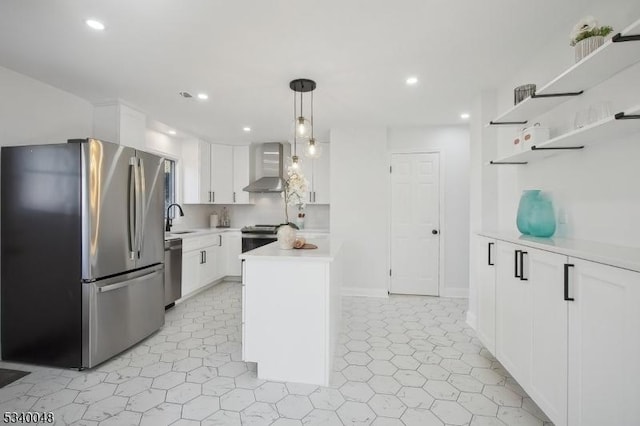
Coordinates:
[172,271]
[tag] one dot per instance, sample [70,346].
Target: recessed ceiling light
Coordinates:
[203,96]
[172,132]
[412,80]
[246,129]
[96,25]
[464,115]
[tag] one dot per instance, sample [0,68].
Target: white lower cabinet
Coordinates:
[548,362]
[604,345]
[568,330]
[486,279]
[232,241]
[203,262]
[513,314]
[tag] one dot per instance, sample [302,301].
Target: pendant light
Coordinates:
[303,128]
[313,150]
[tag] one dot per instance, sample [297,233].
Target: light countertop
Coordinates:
[197,232]
[619,256]
[326,251]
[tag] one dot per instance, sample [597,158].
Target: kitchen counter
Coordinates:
[197,232]
[291,311]
[326,251]
[618,256]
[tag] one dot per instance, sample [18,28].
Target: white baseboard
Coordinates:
[364,292]
[471,320]
[455,292]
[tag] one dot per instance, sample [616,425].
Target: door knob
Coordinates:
[434,232]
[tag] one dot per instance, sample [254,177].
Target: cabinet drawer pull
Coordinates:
[522,277]
[566,282]
[213,196]
[489,262]
[516,256]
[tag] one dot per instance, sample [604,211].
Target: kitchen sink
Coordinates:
[182,232]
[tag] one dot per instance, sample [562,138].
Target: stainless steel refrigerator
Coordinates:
[82,245]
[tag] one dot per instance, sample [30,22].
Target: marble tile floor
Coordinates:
[405,360]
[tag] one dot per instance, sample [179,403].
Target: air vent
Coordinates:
[185,95]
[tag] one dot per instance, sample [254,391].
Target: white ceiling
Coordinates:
[243,53]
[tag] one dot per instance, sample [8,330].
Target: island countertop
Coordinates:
[326,251]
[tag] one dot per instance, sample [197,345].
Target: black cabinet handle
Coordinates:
[201,257]
[434,232]
[489,262]
[213,196]
[566,282]
[234,196]
[516,256]
[522,277]
[220,237]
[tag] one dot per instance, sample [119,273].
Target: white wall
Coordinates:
[453,144]
[595,189]
[32,112]
[359,207]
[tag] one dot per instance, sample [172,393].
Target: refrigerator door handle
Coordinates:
[142,187]
[133,201]
[116,286]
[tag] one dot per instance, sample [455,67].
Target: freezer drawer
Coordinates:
[119,312]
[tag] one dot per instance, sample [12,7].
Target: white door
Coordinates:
[415,224]
[486,278]
[604,343]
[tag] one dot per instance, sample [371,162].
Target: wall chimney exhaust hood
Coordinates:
[272,168]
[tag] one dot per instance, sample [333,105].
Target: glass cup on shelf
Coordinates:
[581,118]
[600,111]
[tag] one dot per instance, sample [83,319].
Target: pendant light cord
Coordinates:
[295,121]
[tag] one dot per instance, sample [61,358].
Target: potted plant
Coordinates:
[294,194]
[587,36]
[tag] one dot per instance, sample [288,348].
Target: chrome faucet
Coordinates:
[168,226]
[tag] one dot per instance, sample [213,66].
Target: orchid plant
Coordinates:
[295,190]
[588,27]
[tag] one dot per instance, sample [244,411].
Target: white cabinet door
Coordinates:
[133,127]
[190,271]
[221,258]
[548,323]
[241,168]
[486,279]
[513,313]
[209,265]
[232,244]
[222,174]
[321,177]
[196,163]
[604,343]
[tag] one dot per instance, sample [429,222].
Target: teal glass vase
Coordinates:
[527,200]
[542,219]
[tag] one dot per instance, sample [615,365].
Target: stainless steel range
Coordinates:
[258,236]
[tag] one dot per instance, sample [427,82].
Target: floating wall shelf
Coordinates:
[605,130]
[614,56]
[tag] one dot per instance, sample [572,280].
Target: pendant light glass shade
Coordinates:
[313,149]
[295,163]
[303,128]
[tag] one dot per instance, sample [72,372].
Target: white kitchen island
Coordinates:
[291,311]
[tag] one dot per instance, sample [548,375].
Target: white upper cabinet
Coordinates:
[215,173]
[321,177]
[119,123]
[241,170]
[221,174]
[317,173]
[196,157]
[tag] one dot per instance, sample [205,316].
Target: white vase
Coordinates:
[587,46]
[286,237]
